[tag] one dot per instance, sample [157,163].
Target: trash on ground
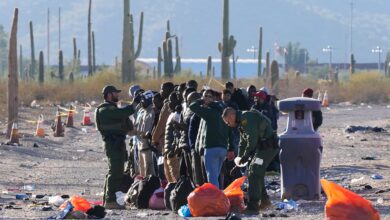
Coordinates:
[353,129]
[79,204]
[56,200]
[368,158]
[46,208]
[29,187]
[184,211]
[355,180]
[344,204]
[367,187]
[382,191]
[208,200]
[142,214]
[235,195]
[288,205]
[274,215]
[380,200]
[376,177]
[21,196]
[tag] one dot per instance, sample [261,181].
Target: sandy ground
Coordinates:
[76,163]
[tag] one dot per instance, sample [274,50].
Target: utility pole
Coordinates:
[48,37]
[59,29]
[351,30]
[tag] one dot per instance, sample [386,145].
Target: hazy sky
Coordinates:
[313,23]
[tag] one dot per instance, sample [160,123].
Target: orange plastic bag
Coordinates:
[79,204]
[343,204]
[235,194]
[208,200]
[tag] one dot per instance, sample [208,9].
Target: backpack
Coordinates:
[156,202]
[167,195]
[141,191]
[127,181]
[179,194]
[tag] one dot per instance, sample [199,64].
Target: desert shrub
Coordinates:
[362,87]
[369,87]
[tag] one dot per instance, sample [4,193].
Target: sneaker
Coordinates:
[113,205]
[265,205]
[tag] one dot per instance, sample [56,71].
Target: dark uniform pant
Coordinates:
[116,155]
[256,174]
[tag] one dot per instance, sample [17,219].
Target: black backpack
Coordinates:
[127,181]
[141,191]
[167,195]
[179,194]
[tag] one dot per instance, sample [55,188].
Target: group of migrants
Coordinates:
[181,130]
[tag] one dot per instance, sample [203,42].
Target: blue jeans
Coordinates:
[213,159]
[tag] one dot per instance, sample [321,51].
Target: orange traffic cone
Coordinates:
[40,132]
[87,117]
[58,127]
[319,96]
[69,120]
[325,101]
[14,138]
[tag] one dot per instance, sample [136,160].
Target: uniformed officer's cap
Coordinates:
[109,89]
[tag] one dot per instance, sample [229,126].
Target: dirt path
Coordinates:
[76,163]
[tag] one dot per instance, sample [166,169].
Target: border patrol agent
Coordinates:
[113,124]
[258,142]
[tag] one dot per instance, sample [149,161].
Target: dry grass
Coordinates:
[370,87]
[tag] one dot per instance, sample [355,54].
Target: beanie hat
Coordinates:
[264,89]
[308,92]
[133,89]
[261,94]
[147,97]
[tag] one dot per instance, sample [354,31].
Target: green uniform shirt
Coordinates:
[111,120]
[254,127]
[218,134]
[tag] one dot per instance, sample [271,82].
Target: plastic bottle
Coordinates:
[21,196]
[29,187]
[56,200]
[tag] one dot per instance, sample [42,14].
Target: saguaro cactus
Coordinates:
[60,65]
[353,62]
[387,63]
[12,95]
[74,67]
[159,60]
[228,43]
[78,58]
[41,70]
[129,54]
[178,58]
[168,53]
[90,71]
[33,62]
[209,66]
[93,53]
[259,57]
[274,76]
[235,59]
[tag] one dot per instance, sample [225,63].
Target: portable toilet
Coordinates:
[301,150]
